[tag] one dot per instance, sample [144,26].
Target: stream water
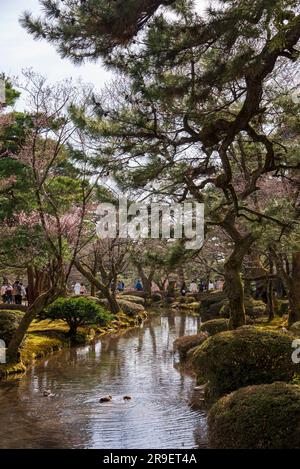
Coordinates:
[139,363]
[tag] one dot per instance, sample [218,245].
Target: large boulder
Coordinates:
[245,356]
[183,344]
[214,326]
[9,322]
[130,308]
[257,417]
[132,298]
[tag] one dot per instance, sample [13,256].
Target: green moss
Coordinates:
[134,299]
[230,360]
[214,326]
[9,322]
[130,308]
[257,417]
[185,343]
[295,328]
[254,308]
[211,304]
[46,337]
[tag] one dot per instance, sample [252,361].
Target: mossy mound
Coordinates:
[9,322]
[245,356]
[214,326]
[211,304]
[130,308]
[295,328]
[134,299]
[193,306]
[185,343]
[186,299]
[257,417]
[254,308]
[156,297]
[282,307]
[18,308]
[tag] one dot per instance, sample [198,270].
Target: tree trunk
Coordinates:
[39,304]
[113,304]
[146,281]
[294,293]
[233,281]
[30,280]
[105,290]
[270,299]
[181,279]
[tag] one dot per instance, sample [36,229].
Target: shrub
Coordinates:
[187,342]
[130,308]
[77,312]
[9,323]
[265,416]
[245,356]
[214,326]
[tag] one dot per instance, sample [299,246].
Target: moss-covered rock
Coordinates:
[9,322]
[282,307]
[186,299]
[156,297]
[295,328]
[211,304]
[130,308]
[185,343]
[254,308]
[265,417]
[245,356]
[133,299]
[214,326]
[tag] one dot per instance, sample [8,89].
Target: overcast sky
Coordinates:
[18,50]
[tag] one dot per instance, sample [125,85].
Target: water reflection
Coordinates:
[139,363]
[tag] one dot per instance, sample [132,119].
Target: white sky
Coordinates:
[18,50]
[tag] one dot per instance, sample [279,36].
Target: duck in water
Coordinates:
[105,399]
[48,393]
[127,398]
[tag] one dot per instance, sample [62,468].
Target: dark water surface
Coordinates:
[139,363]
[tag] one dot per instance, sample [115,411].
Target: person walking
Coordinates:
[121,286]
[9,294]
[82,289]
[3,293]
[138,285]
[23,292]
[183,289]
[193,287]
[77,288]
[17,293]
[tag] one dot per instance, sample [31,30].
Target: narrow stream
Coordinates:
[139,363]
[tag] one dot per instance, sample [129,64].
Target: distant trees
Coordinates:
[47,229]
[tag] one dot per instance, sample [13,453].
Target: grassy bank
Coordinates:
[46,337]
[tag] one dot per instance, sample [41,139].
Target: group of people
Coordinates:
[13,293]
[79,289]
[201,286]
